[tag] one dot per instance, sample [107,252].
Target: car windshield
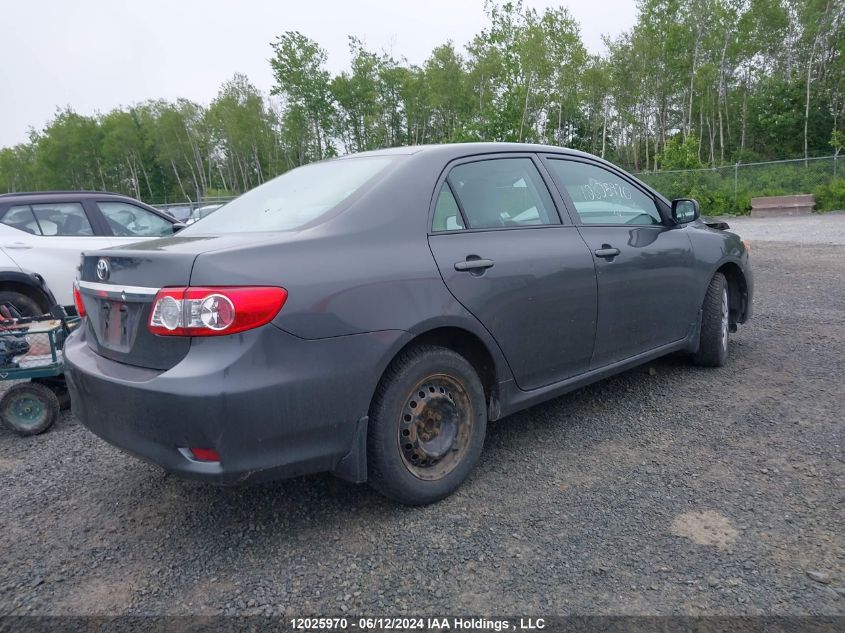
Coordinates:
[293,199]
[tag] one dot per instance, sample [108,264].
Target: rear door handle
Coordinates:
[474,264]
[607,252]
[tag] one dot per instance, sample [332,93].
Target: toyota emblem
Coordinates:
[103,270]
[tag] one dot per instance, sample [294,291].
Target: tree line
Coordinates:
[692,83]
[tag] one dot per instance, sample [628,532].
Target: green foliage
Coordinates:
[17,168]
[447,94]
[305,84]
[728,190]
[837,140]
[525,71]
[680,154]
[776,119]
[68,153]
[241,127]
[693,83]
[830,197]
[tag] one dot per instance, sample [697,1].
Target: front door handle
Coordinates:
[19,245]
[607,252]
[474,264]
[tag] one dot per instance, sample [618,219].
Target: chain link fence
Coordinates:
[729,189]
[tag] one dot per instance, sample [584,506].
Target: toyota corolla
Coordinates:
[368,315]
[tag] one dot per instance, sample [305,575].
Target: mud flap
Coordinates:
[695,335]
[353,466]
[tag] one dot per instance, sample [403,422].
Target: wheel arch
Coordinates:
[737,291]
[488,363]
[31,285]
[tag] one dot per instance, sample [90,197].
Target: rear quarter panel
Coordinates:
[367,269]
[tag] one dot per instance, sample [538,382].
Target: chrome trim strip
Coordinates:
[123,293]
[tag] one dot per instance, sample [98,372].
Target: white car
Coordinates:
[43,234]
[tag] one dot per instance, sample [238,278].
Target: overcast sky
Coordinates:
[95,55]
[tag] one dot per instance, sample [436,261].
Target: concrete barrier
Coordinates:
[782,205]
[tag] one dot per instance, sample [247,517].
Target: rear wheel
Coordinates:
[427,425]
[715,324]
[29,408]
[27,306]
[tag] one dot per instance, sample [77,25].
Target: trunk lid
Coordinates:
[118,286]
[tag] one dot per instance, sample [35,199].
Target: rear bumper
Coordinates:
[273,405]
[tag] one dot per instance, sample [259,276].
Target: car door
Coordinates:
[503,252]
[48,238]
[644,263]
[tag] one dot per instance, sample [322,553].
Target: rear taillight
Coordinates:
[77,300]
[214,311]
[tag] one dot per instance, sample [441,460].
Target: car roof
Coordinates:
[80,194]
[455,150]
[76,195]
[447,152]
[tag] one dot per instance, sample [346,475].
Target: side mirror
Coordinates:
[178,226]
[685,210]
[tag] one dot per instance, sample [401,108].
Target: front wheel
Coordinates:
[715,324]
[427,425]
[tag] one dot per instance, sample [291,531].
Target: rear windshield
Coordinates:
[293,199]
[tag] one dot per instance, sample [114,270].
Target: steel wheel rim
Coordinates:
[725,318]
[435,426]
[27,412]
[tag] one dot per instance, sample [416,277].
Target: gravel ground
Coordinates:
[828,228]
[669,489]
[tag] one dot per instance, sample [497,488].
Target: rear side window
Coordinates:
[447,215]
[62,219]
[293,199]
[23,219]
[503,192]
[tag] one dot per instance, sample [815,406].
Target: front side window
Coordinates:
[293,199]
[502,192]
[602,197]
[66,219]
[129,220]
[23,219]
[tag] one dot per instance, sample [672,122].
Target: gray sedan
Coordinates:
[368,315]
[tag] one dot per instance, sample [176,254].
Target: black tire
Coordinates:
[29,408]
[427,424]
[59,387]
[715,324]
[27,306]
